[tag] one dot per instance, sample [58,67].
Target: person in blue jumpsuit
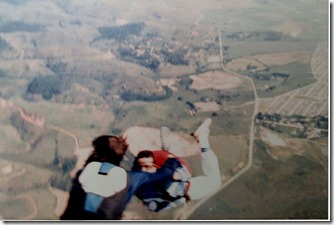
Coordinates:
[102,189]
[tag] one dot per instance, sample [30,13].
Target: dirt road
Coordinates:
[188,211]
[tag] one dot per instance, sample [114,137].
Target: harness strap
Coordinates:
[105,168]
[92,202]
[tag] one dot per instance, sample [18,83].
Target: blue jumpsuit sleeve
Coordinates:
[165,173]
[172,163]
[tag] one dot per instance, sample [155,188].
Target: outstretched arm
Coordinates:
[163,174]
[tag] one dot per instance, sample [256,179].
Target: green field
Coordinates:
[21,206]
[300,75]
[272,190]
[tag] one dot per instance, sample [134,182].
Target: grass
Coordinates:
[74,118]
[20,205]
[300,75]
[10,140]
[230,150]
[46,203]
[65,145]
[245,48]
[34,183]
[271,190]
[233,122]
[175,113]
[34,176]
[35,179]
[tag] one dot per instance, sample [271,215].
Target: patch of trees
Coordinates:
[126,52]
[264,35]
[319,121]
[304,163]
[21,26]
[156,15]
[48,86]
[107,82]
[272,117]
[251,67]
[191,105]
[227,97]
[27,131]
[151,63]
[147,60]
[115,131]
[15,2]
[175,57]
[2,73]
[282,75]
[119,33]
[56,67]
[270,88]
[132,96]
[240,35]
[273,36]
[62,179]
[152,59]
[268,76]
[186,82]
[3,45]
[63,24]
[180,98]
[68,164]
[285,76]
[260,76]
[200,66]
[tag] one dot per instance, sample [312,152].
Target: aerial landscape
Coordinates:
[73,70]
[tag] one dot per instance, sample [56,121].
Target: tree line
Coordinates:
[48,86]
[119,33]
[132,96]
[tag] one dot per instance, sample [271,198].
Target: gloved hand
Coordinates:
[173,164]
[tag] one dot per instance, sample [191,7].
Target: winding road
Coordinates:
[188,211]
